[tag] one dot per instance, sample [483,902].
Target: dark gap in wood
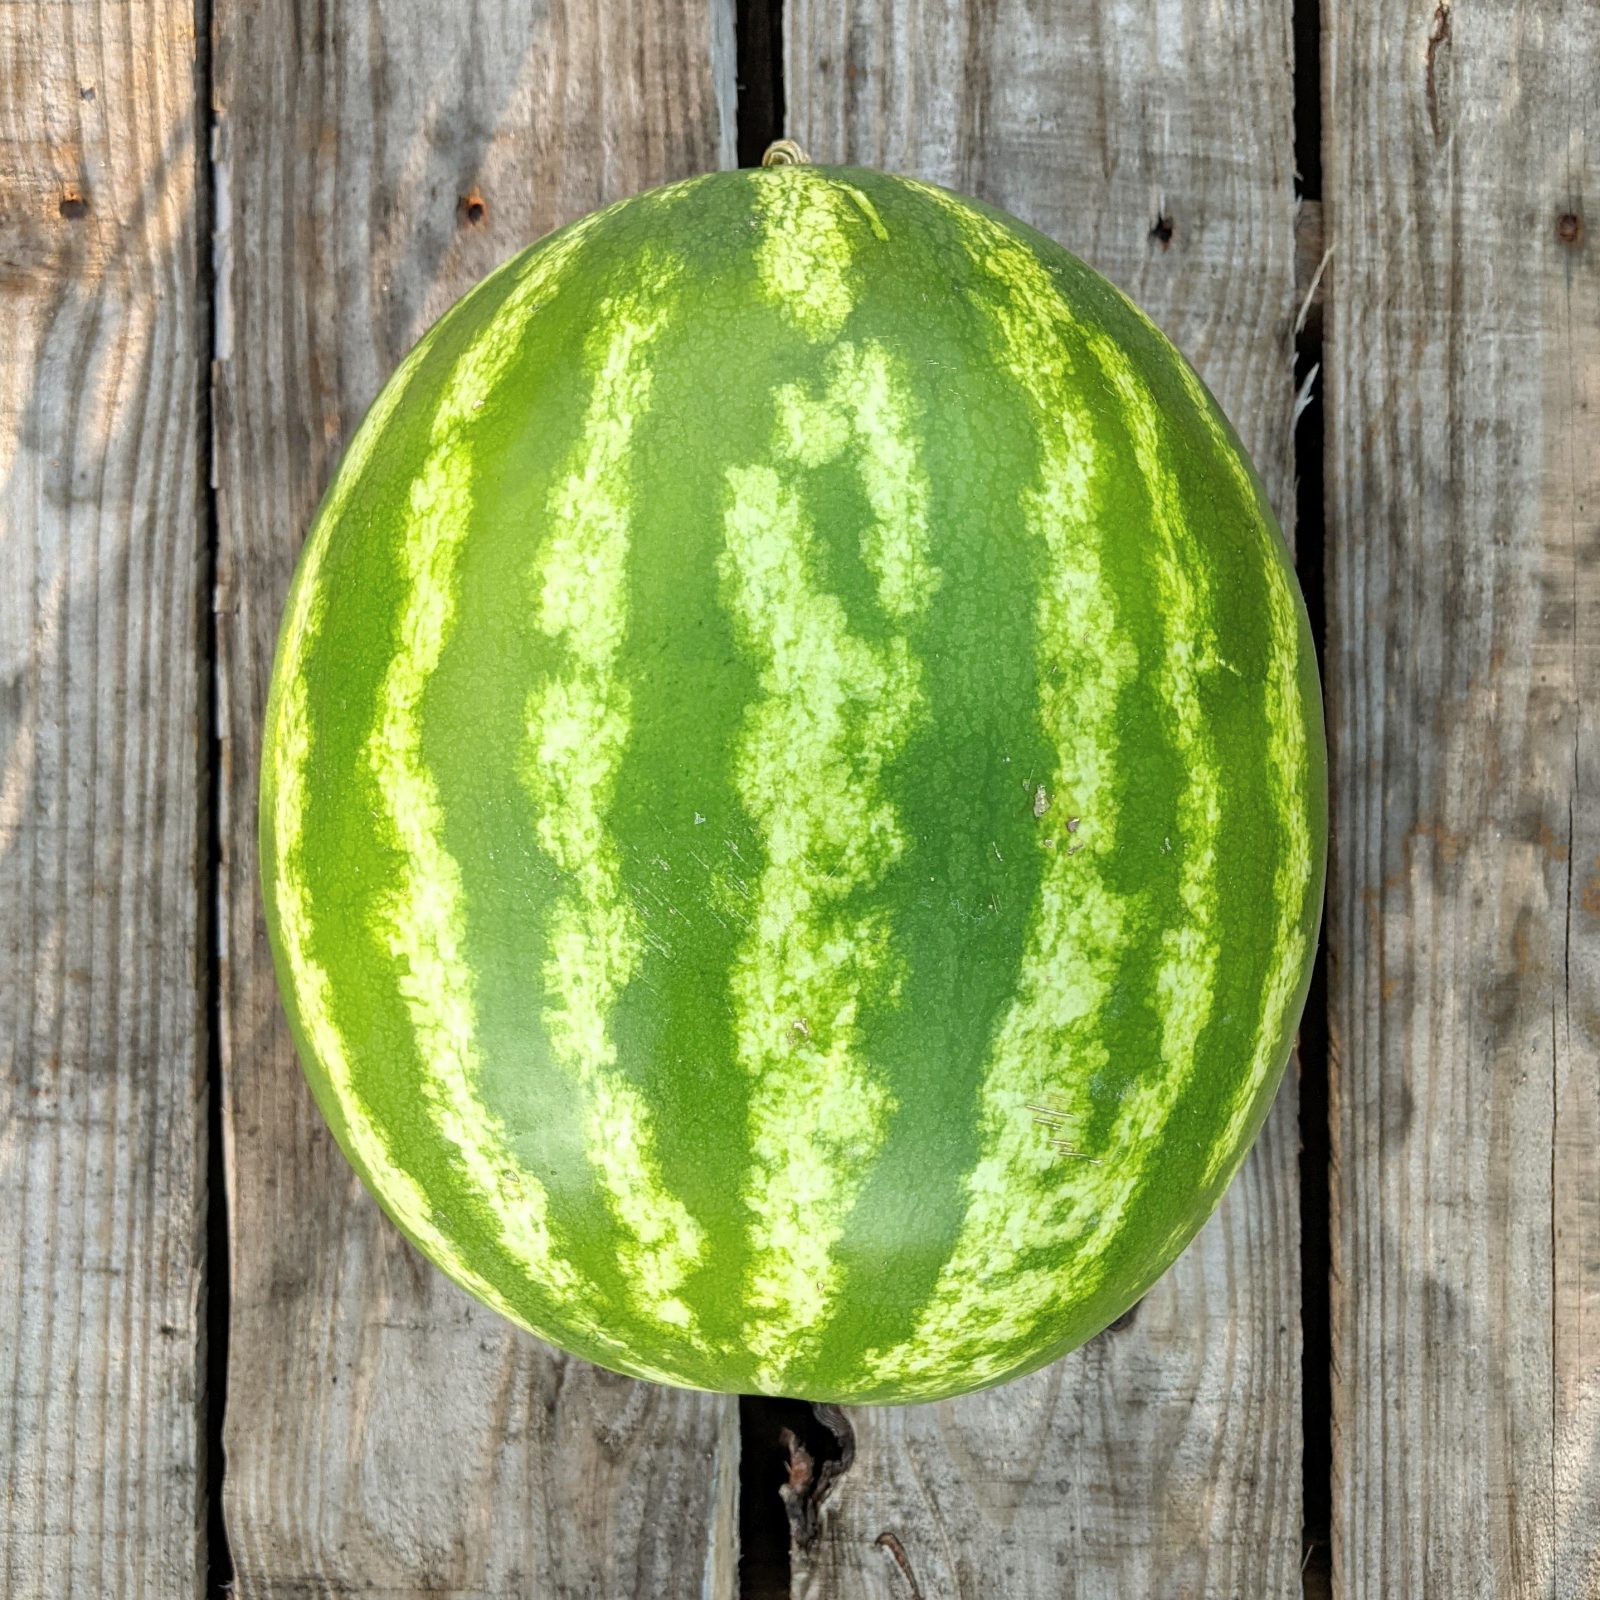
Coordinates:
[1306,20]
[789,1454]
[1316,1357]
[763,1469]
[1316,1217]
[212,1355]
[758,74]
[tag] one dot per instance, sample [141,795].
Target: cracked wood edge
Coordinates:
[385,1433]
[102,1040]
[1164,1457]
[1463,394]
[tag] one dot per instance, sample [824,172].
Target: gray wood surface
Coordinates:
[102,1053]
[1463,364]
[385,1435]
[1164,1458]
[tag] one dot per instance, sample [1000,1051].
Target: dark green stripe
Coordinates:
[693,882]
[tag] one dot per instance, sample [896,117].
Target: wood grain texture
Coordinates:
[1463,366]
[1156,142]
[102,1051]
[385,1434]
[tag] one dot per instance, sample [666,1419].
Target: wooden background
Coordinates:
[1376,1372]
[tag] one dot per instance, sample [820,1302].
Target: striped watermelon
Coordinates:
[793,801]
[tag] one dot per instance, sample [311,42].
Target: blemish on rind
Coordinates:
[869,211]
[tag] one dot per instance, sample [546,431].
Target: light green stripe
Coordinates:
[578,726]
[1288,751]
[810,225]
[422,919]
[1023,1195]
[836,710]
[308,979]
[1186,982]
[406,1202]
[1288,748]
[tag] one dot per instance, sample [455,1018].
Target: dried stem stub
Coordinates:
[785,153]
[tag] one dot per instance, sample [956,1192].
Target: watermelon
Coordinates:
[793,796]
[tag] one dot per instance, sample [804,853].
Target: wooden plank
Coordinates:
[384,1434]
[102,1089]
[1463,364]
[1157,143]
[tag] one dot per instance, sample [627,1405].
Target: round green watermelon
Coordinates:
[794,800]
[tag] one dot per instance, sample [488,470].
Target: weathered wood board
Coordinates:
[1156,142]
[384,1433]
[102,971]
[1463,363]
